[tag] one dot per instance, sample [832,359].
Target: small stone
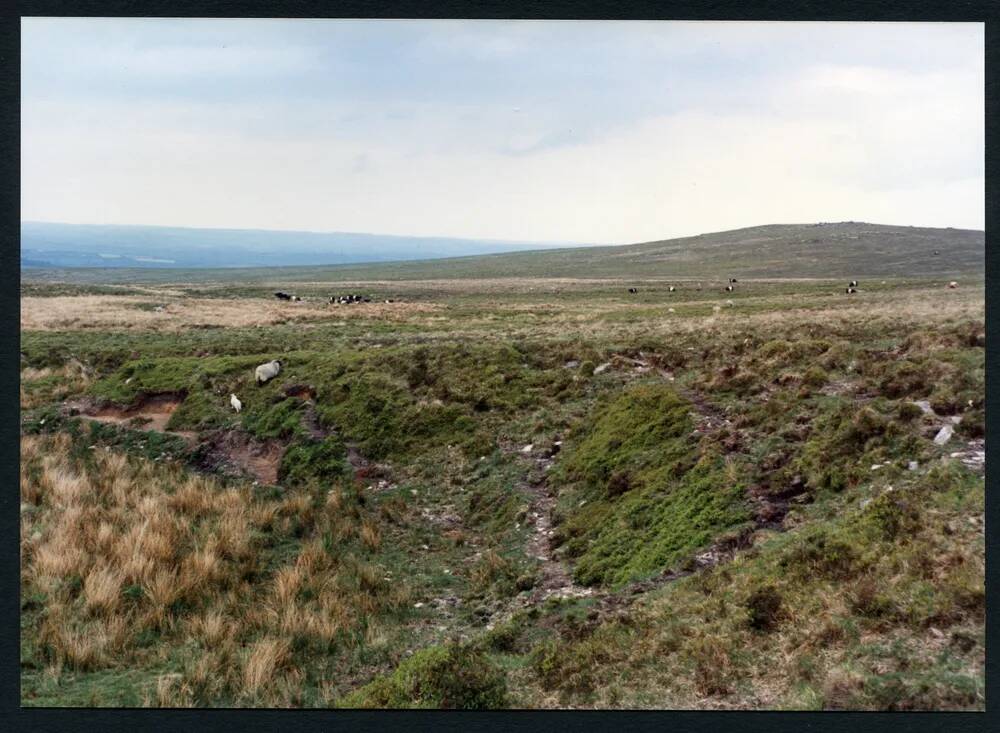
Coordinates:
[572,364]
[418,605]
[876,466]
[913,465]
[936,633]
[602,368]
[527,448]
[925,407]
[944,435]
[413,491]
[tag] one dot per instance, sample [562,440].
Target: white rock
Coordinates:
[602,368]
[925,407]
[944,435]
[956,419]
[418,605]
[527,448]
[913,465]
[865,502]
[876,466]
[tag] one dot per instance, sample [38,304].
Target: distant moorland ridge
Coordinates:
[824,250]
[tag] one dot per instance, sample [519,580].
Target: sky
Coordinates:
[562,131]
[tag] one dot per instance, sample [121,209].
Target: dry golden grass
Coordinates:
[115,549]
[137,313]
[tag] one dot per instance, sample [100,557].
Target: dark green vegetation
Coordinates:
[536,494]
[648,495]
[843,250]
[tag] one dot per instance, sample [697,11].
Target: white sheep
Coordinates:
[267,371]
[235,402]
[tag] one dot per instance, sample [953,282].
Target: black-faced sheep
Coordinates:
[266,371]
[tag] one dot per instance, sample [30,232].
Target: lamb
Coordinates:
[266,371]
[235,402]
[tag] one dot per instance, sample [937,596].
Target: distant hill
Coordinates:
[71,245]
[839,250]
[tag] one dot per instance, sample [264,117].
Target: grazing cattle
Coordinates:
[388,300]
[235,402]
[729,288]
[296,299]
[698,287]
[953,285]
[282,296]
[266,371]
[633,291]
[852,284]
[936,252]
[671,288]
[732,280]
[350,298]
[851,291]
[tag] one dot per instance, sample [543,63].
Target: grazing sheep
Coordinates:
[266,371]
[953,285]
[235,402]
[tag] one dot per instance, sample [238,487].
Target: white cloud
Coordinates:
[822,142]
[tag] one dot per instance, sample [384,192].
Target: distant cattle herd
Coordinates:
[332,300]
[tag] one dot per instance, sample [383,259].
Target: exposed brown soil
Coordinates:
[236,452]
[148,413]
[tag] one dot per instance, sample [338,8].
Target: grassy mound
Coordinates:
[646,495]
[443,677]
